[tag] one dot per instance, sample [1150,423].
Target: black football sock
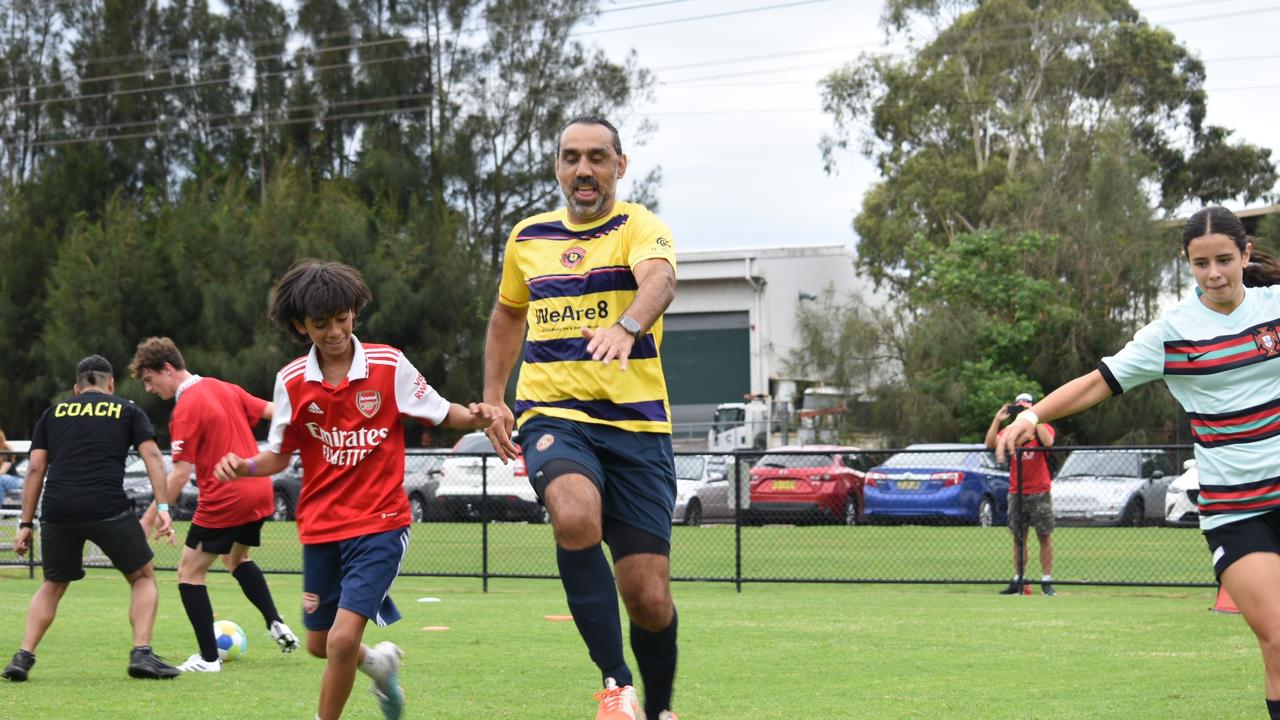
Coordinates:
[593,600]
[254,585]
[1273,709]
[195,598]
[656,656]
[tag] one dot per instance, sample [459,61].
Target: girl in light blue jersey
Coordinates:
[1219,354]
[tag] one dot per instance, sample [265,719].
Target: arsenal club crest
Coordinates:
[1267,341]
[368,402]
[573,257]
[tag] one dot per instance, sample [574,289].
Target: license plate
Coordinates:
[784,484]
[908,484]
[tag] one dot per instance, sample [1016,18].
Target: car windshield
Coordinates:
[474,444]
[690,468]
[1091,464]
[940,459]
[785,460]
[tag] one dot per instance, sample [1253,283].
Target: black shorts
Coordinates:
[121,539]
[218,541]
[1233,541]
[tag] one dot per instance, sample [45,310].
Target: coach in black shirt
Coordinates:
[83,442]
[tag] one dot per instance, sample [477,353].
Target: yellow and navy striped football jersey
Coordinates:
[574,276]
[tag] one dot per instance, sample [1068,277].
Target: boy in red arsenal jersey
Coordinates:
[339,407]
[210,419]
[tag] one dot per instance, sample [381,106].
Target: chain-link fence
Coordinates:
[923,514]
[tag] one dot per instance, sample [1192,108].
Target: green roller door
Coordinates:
[706,357]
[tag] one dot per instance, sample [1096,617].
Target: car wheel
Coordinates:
[281,511]
[986,512]
[1132,515]
[693,514]
[418,508]
[851,510]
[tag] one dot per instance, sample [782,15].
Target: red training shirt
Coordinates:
[210,419]
[1035,467]
[351,440]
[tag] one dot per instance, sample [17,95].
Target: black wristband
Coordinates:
[25,525]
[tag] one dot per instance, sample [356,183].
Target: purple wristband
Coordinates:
[253,467]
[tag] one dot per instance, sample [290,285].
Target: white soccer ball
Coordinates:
[232,642]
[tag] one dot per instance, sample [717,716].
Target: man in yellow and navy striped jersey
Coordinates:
[589,282]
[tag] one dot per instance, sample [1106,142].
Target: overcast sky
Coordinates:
[738,113]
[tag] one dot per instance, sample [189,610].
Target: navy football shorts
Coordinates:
[353,574]
[635,471]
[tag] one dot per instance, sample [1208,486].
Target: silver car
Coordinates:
[1113,487]
[705,488]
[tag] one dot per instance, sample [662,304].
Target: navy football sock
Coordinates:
[1273,709]
[593,600]
[195,598]
[656,656]
[254,585]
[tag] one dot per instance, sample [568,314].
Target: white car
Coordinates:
[704,488]
[1120,486]
[506,486]
[1180,506]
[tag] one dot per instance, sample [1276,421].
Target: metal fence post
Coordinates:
[1020,537]
[737,520]
[484,523]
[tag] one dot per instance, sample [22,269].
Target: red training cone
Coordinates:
[1026,588]
[1224,603]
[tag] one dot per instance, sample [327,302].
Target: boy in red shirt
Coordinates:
[211,418]
[340,406]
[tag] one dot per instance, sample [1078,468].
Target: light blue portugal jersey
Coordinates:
[1225,372]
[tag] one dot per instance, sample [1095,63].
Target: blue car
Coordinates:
[954,482]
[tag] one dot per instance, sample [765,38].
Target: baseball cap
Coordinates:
[1024,399]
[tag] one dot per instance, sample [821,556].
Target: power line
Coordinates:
[700,17]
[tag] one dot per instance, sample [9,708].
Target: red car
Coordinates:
[809,483]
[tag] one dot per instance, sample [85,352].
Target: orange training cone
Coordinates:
[1224,603]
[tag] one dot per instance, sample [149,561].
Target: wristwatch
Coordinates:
[629,324]
[24,525]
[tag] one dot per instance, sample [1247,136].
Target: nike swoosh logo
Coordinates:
[1197,356]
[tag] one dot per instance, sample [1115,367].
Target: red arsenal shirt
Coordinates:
[212,418]
[351,440]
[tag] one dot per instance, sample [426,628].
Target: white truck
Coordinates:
[741,425]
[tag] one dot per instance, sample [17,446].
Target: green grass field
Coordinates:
[773,651]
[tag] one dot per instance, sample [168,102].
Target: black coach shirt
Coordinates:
[88,438]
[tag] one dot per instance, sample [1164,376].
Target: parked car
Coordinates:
[287,484]
[510,496]
[137,485]
[422,482]
[1113,487]
[940,481]
[822,483]
[705,489]
[1180,500]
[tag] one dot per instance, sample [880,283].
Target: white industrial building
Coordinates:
[731,328]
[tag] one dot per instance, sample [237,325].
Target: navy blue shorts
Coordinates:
[354,574]
[635,471]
